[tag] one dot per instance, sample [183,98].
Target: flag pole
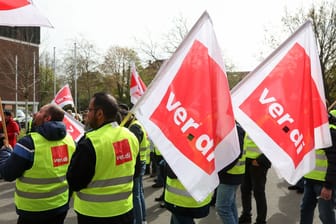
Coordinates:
[332,105]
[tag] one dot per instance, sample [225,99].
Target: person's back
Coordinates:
[102,167]
[39,163]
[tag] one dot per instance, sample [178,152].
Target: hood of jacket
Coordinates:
[52,130]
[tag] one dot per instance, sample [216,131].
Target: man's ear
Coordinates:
[48,118]
[100,113]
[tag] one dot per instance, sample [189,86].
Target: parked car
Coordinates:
[21,118]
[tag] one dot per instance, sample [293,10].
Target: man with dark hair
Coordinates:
[38,164]
[102,167]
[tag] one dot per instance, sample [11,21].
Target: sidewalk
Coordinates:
[283,205]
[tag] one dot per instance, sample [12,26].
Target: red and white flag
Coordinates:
[63,97]
[74,127]
[281,105]
[188,114]
[137,86]
[21,13]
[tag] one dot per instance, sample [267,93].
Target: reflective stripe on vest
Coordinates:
[252,150]
[176,194]
[321,164]
[239,168]
[38,190]
[110,191]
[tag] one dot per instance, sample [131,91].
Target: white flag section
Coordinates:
[281,105]
[188,114]
[63,97]
[21,13]
[137,86]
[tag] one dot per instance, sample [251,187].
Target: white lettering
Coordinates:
[276,111]
[171,106]
[203,143]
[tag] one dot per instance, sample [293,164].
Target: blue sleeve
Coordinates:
[20,160]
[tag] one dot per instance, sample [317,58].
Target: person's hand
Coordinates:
[326,193]
[255,162]
[6,144]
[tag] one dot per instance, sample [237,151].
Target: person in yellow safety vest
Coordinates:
[320,183]
[183,207]
[102,168]
[230,178]
[39,163]
[138,191]
[256,168]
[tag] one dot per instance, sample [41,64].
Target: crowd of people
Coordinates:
[103,173]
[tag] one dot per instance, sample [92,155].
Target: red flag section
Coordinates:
[281,105]
[13,4]
[187,111]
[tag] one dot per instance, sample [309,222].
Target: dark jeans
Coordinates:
[254,181]
[309,201]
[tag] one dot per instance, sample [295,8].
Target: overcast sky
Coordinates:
[239,24]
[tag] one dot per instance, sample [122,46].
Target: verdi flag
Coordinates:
[281,105]
[21,13]
[188,114]
[137,86]
[63,97]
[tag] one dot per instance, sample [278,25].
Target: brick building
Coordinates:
[19,60]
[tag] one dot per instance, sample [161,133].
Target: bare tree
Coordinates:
[87,62]
[117,64]
[323,17]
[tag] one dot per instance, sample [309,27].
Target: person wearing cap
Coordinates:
[13,129]
[38,163]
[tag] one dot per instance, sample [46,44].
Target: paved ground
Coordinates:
[283,205]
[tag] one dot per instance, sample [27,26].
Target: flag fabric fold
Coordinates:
[137,86]
[21,13]
[188,114]
[281,105]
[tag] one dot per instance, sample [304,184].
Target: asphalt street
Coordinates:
[283,205]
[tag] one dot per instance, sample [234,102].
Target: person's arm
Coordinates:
[330,181]
[82,166]
[20,160]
